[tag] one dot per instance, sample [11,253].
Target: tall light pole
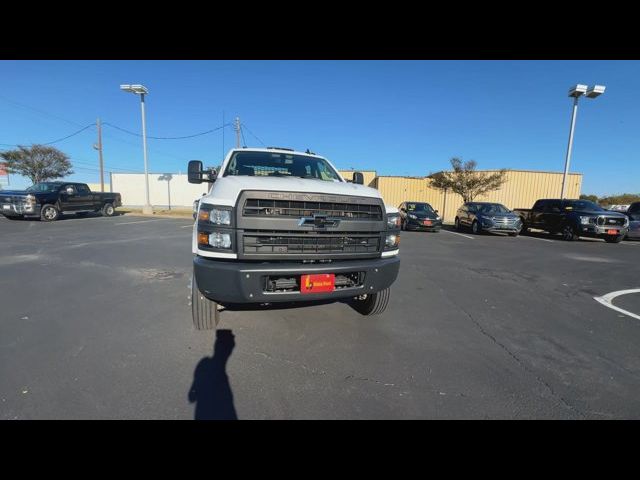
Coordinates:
[142,91]
[576,92]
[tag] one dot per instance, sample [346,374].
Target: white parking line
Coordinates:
[608,298]
[456,233]
[536,238]
[138,221]
[187,226]
[631,244]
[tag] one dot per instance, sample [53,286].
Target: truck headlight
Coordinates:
[392,241]
[30,199]
[585,220]
[626,222]
[412,216]
[215,239]
[393,221]
[216,216]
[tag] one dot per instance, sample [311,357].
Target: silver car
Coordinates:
[634,221]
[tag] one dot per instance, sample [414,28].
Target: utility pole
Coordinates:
[223,127]
[100,155]
[237,128]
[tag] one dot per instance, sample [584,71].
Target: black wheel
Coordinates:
[475,228]
[49,213]
[108,210]
[371,303]
[523,228]
[616,239]
[457,224]
[204,312]
[568,233]
[402,226]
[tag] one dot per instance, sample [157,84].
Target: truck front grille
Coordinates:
[255,207]
[279,243]
[610,221]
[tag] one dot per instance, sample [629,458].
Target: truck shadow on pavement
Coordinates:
[210,390]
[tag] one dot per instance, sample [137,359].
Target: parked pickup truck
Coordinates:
[281,226]
[574,219]
[48,200]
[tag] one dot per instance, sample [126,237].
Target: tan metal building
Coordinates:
[521,190]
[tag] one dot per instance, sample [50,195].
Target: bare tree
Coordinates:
[37,162]
[466,181]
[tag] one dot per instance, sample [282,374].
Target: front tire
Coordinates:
[49,213]
[371,303]
[523,229]
[457,224]
[568,233]
[616,239]
[108,210]
[204,312]
[476,228]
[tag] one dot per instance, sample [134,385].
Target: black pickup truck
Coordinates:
[48,200]
[574,219]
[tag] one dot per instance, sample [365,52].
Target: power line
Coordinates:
[245,126]
[167,138]
[57,140]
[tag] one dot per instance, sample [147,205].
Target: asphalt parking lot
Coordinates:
[95,323]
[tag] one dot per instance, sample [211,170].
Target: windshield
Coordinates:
[419,208]
[584,205]
[44,187]
[273,164]
[492,208]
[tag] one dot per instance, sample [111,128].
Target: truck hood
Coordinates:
[13,192]
[590,213]
[226,190]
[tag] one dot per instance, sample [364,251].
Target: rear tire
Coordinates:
[49,213]
[204,312]
[617,239]
[108,210]
[372,303]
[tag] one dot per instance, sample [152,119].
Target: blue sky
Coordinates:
[396,117]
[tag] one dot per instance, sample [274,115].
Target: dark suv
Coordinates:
[419,216]
[487,217]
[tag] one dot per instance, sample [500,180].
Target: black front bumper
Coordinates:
[235,282]
[419,225]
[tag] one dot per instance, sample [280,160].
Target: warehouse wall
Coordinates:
[131,187]
[521,190]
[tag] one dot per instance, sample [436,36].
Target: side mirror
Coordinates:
[358,178]
[194,171]
[70,191]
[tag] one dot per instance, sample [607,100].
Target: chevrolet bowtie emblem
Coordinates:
[318,222]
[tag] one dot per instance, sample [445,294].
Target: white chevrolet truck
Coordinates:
[281,226]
